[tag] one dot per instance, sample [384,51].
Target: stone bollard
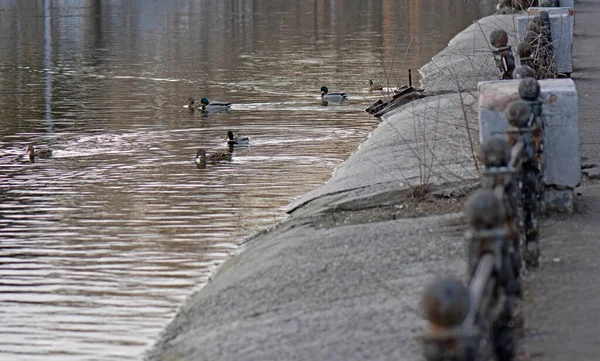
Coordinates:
[560,133]
[505,61]
[562,10]
[557,26]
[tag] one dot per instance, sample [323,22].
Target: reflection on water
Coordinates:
[100,243]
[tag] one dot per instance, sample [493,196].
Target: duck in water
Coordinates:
[202,157]
[237,141]
[372,86]
[208,106]
[332,97]
[31,153]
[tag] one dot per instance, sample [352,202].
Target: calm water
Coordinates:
[100,243]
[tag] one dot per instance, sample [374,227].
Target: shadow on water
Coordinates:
[102,241]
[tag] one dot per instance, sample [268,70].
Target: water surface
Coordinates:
[100,243]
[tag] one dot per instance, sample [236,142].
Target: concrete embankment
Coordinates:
[341,279]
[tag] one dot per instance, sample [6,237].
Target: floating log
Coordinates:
[401,96]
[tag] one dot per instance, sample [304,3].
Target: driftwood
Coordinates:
[401,97]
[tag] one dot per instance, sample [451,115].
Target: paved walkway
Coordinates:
[563,317]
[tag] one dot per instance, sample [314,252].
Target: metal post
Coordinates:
[505,61]
[501,167]
[546,45]
[524,50]
[523,71]
[522,129]
[494,295]
[473,324]
[446,303]
[529,91]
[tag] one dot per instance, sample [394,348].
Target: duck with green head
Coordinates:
[208,106]
[332,97]
[237,141]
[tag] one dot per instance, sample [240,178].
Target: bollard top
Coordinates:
[529,89]
[523,71]
[446,302]
[495,152]
[498,38]
[518,114]
[524,49]
[484,210]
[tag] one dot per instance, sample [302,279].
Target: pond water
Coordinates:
[100,243]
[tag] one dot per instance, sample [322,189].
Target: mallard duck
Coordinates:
[214,106]
[242,140]
[373,86]
[41,153]
[201,157]
[206,106]
[191,105]
[28,157]
[332,97]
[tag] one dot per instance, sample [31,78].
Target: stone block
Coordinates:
[561,124]
[534,10]
[558,200]
[562,38]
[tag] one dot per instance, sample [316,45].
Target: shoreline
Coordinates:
[340,278]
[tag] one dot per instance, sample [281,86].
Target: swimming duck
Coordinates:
[191,105]
[28,157]
[41,153]
[332,97]
[206,106]
[242,140]
[373,86]
[214,106]
[201,157]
